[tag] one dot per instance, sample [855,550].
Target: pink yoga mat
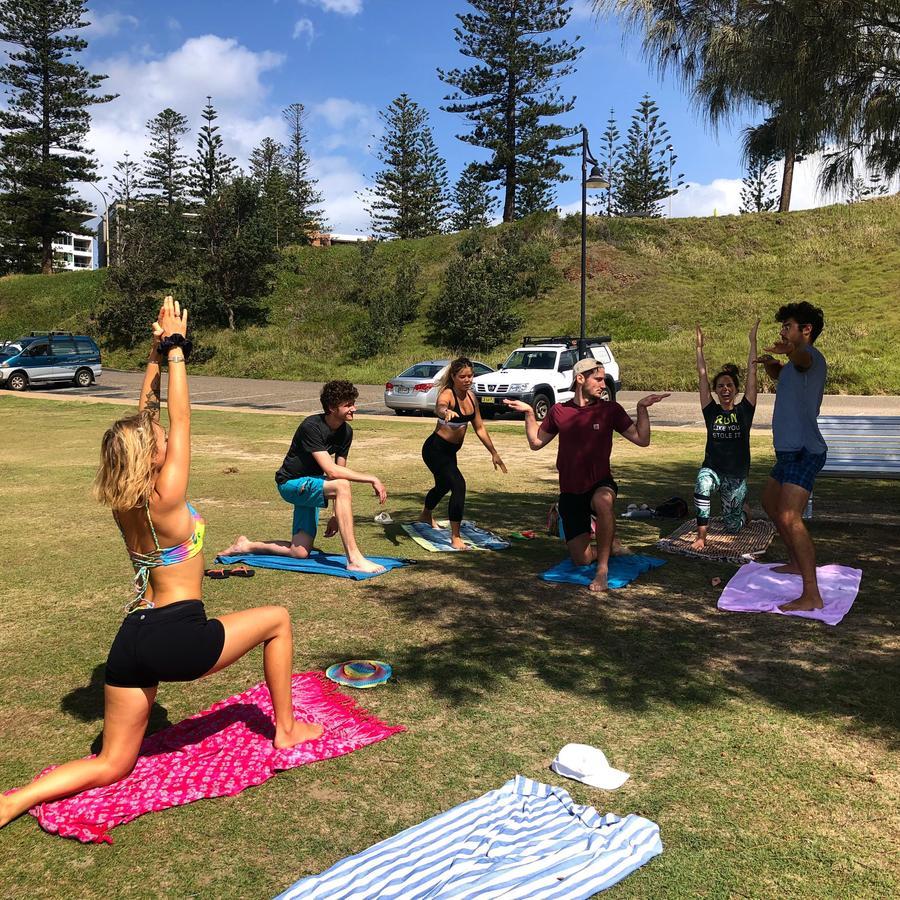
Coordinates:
[756,588]
[216,753]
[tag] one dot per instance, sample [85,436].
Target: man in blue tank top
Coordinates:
[800,450]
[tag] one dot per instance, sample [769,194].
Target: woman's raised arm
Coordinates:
[705,395]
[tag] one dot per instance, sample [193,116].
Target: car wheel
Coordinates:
[399,412]
[84,378]
[609,392]
[18,381]
[541,406]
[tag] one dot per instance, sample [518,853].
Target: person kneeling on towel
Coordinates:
[585,425]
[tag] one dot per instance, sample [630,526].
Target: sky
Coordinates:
[347,59]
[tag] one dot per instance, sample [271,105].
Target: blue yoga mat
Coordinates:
[622,570]
[439,538]
[316,563]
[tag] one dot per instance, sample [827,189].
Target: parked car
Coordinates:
[415,390]
[49,356]
[540,373]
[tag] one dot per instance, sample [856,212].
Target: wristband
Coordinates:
[173,341]
[176,359]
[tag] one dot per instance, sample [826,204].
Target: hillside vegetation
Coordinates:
[649,283]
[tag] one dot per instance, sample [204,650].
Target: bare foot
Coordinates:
[787,569]
[458,543]
[619,549]
[699,544]
[7,813]
[599,585]
[240,546]
[804,603]
[297,734]
[428,519]
[364,565]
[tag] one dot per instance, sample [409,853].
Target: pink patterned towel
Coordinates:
[756,588]
[216,753]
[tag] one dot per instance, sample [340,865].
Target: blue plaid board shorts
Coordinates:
[798,467]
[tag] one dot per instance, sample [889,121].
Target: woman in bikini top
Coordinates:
[166,635]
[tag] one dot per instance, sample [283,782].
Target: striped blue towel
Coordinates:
[523,840]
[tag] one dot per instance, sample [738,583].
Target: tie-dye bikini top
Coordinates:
[160,556]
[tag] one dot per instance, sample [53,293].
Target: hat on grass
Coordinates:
[589,765]
[583,366]
[360,673]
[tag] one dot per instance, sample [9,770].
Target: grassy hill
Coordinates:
[649,282]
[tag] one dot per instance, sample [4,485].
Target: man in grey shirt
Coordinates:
[800,450]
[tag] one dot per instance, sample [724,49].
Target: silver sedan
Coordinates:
[414,392]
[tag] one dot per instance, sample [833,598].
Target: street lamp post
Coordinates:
[593,179]
[105,221]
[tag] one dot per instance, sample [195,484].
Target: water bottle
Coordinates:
[807,513]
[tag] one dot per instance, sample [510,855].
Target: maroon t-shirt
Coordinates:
[585,441]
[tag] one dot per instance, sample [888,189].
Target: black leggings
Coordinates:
[440,457]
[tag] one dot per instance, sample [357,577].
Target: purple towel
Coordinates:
[756,588]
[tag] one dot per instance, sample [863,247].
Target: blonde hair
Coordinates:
[458,364]
[126,474]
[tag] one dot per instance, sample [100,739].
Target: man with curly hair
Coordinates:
[314,472]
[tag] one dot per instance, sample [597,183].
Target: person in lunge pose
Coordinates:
[585,425]
[314,472]
[456,407]
[800,450]
[727,460]
[166,635]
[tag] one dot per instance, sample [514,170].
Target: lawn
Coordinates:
[763,746]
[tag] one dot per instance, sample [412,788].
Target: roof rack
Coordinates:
[51,333]
[568,340]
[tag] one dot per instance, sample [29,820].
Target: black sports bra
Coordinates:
[462,419]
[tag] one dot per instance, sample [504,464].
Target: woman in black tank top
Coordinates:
[456,407]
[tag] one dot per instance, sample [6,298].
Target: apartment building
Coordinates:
[74,251]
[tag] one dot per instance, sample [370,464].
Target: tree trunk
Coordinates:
[787,181]
[46,255]
[231,318]
[509,201]
[46,239]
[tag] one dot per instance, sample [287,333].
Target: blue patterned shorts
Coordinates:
[798,467]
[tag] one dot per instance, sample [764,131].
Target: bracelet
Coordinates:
[173,341]
[176,359]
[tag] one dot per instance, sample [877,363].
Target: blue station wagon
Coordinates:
[46,357]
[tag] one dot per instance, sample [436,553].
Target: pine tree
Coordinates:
[126,187]
[267,169]
[306,217]
[759,193]
[408,196]
[211,167]
[19,252]
[646,164]
[45,121]
[610,162]
[512,92]
[166,166]
[473,203]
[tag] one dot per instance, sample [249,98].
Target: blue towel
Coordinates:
[317,563]
[438,539]
[525,839]
[622,570]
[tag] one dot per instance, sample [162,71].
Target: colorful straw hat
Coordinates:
[360,673]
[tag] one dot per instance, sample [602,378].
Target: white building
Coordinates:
[74,251]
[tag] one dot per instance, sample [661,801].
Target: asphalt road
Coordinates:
[681,410]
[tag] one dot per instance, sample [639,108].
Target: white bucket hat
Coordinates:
[589,765]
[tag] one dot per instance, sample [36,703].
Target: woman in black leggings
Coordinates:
[456,407]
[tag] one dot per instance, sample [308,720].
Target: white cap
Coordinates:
[582,762]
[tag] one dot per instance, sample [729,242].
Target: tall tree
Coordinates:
[211,166]
[125,188]
[758,193]
[19,251]
[166,166]
[610,161]
[473,203]
[305,197]
[408,195]
[647,158]
[268,170]
[46,118]
[512,93]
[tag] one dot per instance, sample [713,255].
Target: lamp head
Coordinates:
[595,179]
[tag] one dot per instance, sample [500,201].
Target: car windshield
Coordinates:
[531,359]
[422,370]
[8,350]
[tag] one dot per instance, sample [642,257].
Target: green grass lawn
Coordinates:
[764,746]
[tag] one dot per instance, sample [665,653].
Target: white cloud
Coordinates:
[147,83]
[352,124]
[107,24]
[304,26]
[341,181]
[342,7]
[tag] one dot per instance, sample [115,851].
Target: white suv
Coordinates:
[540,373]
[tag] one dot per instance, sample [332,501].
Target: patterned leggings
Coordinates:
[733,492]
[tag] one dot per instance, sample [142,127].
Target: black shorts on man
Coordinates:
[575,510]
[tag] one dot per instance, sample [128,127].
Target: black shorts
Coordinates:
[170,643]
[575,510]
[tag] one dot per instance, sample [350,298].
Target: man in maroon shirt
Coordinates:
[585,425]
